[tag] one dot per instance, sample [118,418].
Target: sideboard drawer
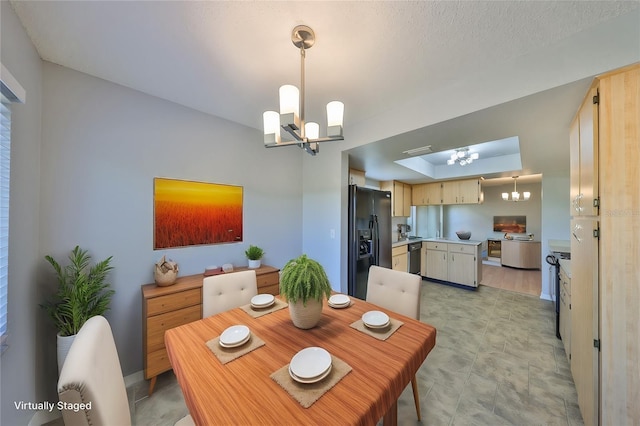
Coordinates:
[172,302]
[269,283]
[157,325]
[157,363]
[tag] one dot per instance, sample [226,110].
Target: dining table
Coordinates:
[243,392]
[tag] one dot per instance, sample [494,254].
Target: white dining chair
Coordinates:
[92,374]
[227,291]
[397,291]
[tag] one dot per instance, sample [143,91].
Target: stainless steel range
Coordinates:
[553,259]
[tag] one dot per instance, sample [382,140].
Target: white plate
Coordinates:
[234,336]
[339,300]
[235,345]
[263,300]
[310,363]
[311,380]
[340,306]
[375,319]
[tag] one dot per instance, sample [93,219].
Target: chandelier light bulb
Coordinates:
[312,130]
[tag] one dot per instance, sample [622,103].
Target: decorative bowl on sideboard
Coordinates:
[463,235]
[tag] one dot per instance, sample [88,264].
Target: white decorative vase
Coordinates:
[254,264]
[308,316]
[64,344]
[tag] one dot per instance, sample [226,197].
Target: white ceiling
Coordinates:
[229,58]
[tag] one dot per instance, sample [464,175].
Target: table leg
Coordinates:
[152,384]
[391,416]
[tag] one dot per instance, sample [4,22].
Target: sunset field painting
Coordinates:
[190,213]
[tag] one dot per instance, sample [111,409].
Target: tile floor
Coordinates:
[496,362]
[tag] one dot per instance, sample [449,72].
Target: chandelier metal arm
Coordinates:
[292,120]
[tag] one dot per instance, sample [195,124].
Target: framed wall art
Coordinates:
[188,213]
[512,224]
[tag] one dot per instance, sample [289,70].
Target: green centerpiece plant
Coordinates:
[304,284]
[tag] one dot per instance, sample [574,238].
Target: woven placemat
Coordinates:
[308,393]
[226,355]
[382,334]
[256,313]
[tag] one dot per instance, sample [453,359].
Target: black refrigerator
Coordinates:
[369,235]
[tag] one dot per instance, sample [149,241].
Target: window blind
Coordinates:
[5,156]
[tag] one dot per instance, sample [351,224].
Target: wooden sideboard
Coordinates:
[181,303]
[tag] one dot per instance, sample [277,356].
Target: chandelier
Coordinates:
[291,117]
[515,195]
[462,156]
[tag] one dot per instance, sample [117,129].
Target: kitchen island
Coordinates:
[457,262]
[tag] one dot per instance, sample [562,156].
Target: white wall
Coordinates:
[21,368]
[102,146]
[555,222]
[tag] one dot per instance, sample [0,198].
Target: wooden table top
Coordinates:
[242,392]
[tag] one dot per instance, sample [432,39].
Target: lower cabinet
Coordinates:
[458,263]
[565,312]
[437,265]
[400,258]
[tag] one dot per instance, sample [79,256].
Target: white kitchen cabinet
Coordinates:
[400,197]
[565,312]
[437,266]
[458,263]
[462,264]
[400,258]
[426,194]
[465,191]
[605,308]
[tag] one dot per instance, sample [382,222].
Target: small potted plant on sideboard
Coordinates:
[254,255]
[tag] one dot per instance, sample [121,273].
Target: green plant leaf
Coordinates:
[82,291]
[304,279]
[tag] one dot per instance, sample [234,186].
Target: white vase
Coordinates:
[64,344]
[308,316]
[254,264]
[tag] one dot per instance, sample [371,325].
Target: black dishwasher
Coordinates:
[414,257]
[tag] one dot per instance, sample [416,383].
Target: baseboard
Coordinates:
[133,378]
[546,296]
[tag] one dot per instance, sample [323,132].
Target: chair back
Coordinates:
[394,290]
[91,375]
[227,291]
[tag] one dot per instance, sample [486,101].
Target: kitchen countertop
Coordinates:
[565,264]
[437,240]
[563,246]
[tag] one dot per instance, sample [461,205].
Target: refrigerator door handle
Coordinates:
[376,240]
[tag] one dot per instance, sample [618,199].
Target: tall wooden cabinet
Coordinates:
[465,191]
[427,194]
[400,197]
[605,249]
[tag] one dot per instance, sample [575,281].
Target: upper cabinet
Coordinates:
[356,177]
[427,194]
[583,145]
[400,197]
[461,191]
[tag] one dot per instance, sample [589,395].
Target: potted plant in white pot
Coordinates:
[304,284]
[254,254]
[82,293]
